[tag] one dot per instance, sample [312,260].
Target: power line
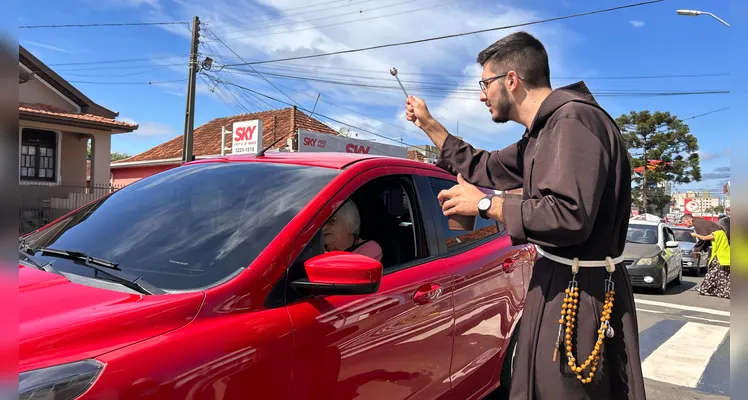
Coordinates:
[297,14]
[457,90]
[262,76]
[315,70]
[707,113]
[349,109]
[320,115]
[104,24]
[129,83]
[334,79]
[322,18]
[353,21]
[120,60]
[453,35]
[120,75]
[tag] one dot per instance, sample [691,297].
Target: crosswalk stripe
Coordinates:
[682,307]
[682,359]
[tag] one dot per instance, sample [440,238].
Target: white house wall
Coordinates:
[73,160]
[35,92]
[101,158]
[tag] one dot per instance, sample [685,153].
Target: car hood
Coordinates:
[62,322]
[634,251]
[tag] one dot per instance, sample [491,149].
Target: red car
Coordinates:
[210,281]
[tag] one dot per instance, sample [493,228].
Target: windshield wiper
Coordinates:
[25,257]
[106,267]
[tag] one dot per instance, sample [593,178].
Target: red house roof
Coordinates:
[277,124]
[43,110]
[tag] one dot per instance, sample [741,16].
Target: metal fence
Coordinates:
[42,204]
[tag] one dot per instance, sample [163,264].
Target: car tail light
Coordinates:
[61,382]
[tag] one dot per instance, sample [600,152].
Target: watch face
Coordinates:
[483,204]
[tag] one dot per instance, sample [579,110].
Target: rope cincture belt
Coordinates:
[569,313]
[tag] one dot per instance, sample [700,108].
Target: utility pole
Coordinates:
[189,117]
[644,175]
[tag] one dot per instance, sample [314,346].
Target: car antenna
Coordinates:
[262,153]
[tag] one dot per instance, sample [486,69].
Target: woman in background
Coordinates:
[717,279]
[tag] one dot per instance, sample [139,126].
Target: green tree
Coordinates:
[119,156]
[115,156]
[663,149]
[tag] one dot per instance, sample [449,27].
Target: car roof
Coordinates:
[642,222]
[323,160]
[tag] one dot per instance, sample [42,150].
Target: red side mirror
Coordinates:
[339,272]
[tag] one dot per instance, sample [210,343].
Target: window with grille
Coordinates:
[38,155]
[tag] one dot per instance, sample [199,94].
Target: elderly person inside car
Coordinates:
[341,233]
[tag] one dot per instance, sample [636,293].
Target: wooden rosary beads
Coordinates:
[569,310]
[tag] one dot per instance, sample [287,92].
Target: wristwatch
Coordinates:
[484,205]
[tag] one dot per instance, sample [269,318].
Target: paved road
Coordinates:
[685,343]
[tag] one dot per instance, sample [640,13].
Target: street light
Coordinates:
[696,13]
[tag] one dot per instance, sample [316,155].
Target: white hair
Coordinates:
[348,213]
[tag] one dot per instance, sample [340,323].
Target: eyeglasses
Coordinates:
[485,82]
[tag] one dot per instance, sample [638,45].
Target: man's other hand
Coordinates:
[461,199]
[417,112]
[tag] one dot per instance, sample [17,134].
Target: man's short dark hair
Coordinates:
[686,217]
[522,53]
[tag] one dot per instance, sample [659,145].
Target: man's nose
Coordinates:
[483,96]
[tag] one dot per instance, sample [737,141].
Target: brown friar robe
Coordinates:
[704,227]
[574,168]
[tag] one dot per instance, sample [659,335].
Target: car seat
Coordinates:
[378,225]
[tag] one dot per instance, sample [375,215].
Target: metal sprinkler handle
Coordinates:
[393,71]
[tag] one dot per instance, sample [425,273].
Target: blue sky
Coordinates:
[638,42]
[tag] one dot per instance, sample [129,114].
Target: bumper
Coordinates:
[645,276]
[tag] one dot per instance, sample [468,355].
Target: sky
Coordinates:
[642,49]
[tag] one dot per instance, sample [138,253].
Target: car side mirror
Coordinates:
[672,244]
[340,273]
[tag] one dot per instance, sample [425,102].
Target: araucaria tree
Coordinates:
[662,150]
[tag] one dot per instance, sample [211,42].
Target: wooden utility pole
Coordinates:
[189,117]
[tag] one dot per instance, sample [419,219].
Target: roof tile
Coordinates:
[277,124]
[44,109]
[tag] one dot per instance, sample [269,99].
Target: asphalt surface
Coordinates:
[684,342]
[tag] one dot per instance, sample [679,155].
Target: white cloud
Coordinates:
[150,129]
[636,24]
[449,56]
[31,43]
[125,3]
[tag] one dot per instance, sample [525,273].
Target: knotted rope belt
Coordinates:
[569,313]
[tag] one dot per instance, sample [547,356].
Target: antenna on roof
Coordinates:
[262,153]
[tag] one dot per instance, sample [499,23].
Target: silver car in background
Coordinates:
[692,262]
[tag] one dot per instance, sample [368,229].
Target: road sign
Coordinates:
[691,206]
[247,137]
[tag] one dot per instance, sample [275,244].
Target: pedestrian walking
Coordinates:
[578,338]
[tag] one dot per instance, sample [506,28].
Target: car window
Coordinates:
[454,239]
[683,235]
[642,234]
[389,216]
[189,227]
[669,237]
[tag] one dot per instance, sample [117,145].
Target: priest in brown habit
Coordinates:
[578,337]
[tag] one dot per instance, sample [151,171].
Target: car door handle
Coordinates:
[427,293]
[509,265]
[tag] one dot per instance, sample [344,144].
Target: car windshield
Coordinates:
[644,234]
[684,235]
[187,228]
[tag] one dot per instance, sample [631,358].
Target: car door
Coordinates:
[674,262]
[393,344]
[489,290]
